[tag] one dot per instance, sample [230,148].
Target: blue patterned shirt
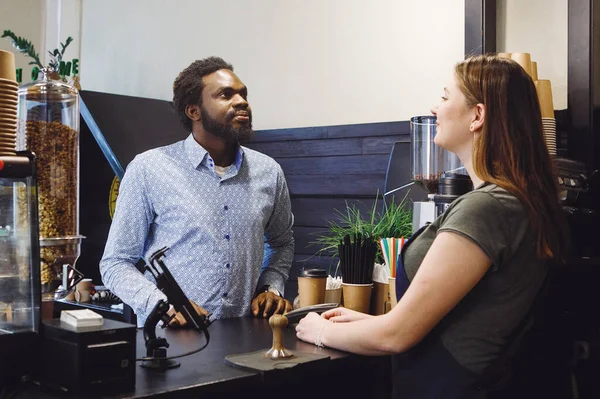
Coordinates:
[227,236]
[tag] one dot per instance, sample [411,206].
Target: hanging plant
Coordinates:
[24,46]
[57,69]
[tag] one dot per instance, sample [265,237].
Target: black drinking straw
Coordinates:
[355,265]
[363,261]
[357,259]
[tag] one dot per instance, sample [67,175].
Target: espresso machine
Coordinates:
[578,186]
[439,172]
[20,291]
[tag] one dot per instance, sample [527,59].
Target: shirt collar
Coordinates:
[199,156]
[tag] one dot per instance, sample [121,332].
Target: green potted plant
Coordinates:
[394,220]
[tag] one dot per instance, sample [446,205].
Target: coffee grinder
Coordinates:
[437,171]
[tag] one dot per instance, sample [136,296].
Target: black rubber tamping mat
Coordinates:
[256,361]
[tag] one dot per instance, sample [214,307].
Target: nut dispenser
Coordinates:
[48,126]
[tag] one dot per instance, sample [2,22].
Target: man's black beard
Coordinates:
[226,130]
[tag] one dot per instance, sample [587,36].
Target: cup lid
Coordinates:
[313,273]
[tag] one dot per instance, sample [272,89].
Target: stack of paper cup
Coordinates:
[550,134]
[544,92]
[534,74]
[523,59]
[8,103]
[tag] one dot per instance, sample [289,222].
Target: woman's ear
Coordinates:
[478,119]
[193,112]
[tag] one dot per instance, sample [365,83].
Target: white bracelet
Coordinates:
[318,341]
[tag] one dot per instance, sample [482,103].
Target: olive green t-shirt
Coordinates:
[476,330]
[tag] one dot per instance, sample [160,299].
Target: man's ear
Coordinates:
[479,118]
[193,112]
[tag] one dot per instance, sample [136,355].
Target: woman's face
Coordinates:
[454,118]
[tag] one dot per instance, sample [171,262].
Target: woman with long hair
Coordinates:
[467,282]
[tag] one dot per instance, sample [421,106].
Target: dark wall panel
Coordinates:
[329,167]
[314,212]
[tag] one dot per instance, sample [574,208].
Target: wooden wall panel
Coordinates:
[327,168]
[316,212]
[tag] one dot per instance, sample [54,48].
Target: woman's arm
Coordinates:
[452,267]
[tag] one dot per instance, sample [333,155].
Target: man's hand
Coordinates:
[268,303]
[179,321]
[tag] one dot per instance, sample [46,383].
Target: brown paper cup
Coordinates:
[7,66]
[83,290]
[379,297]
[7,98]
[534,74]
[544,91]
[311,290]
[70,296]
[8,88]
[12,126]
[393,300]
[8,113]
[523,59]
[83,296]
[8,107]
[9,83]
[333,295]
[357,296]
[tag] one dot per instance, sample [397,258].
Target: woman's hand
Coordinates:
[310,328]
[343,315]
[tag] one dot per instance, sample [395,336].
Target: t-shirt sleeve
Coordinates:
[482,218]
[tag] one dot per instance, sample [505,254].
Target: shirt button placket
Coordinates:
[226,219]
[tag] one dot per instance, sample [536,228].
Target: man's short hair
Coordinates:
[187,88]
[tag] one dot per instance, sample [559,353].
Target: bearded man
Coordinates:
[223,209]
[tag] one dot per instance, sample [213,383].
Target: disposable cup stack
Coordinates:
[8,103]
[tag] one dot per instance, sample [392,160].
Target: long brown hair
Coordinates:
[511,151]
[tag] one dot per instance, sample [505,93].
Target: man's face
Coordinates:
[224,108]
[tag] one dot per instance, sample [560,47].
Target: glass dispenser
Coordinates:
[48,114]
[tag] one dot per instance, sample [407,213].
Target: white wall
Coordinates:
[305,62]
[25,18]
[63,19]
[45,23]
[538,27]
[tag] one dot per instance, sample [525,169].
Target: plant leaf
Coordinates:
[65,45]
[394,221]
[24,46]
